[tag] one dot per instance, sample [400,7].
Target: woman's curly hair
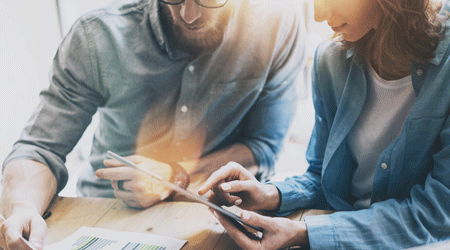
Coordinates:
[409,31]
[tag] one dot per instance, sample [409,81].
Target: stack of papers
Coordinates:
[89,238]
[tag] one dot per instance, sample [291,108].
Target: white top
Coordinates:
[380,122]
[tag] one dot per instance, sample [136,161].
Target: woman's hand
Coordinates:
[234,185]
[278,232]
[136,188]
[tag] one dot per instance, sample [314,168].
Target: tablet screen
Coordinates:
[233,217]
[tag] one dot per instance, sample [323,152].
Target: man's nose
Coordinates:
[190,11]
[322,12]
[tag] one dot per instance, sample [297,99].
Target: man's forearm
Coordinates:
[27,185]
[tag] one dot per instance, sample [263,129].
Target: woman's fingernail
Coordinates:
[237,202]
[245,215]
[225,186]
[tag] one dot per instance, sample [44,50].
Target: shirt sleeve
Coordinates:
[392,224]
[268,121]
[306,191]
[65,109]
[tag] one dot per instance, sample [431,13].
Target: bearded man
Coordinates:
[181,87]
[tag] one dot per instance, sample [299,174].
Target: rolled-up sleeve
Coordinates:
[305,191]
[268,121]
[66,107]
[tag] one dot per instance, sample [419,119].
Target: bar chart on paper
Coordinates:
[87,238]
[94,243]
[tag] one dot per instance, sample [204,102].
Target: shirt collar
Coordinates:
[160,36]
[443,45]
[358,58]
[155,23]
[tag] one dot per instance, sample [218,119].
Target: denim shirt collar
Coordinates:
[155,23]
[160,36]
[361,62]
[443,45]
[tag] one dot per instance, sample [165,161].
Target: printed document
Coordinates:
[89,238]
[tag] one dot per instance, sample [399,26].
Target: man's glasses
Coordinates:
[203,3]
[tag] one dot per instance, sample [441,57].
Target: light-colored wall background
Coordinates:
[30,32]
[29,36]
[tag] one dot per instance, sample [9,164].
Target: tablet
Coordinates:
[233,218]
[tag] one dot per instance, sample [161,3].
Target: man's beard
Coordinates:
[190,42]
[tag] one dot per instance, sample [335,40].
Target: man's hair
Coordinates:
[409,31]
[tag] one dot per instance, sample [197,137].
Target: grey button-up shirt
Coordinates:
[161,102]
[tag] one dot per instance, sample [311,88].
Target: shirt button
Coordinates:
[384,166]
[177,143]
[419,72]
[184,109]
[191,68]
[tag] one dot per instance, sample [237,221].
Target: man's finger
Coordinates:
[115,163]
[124,195]
[132,201]
[12,237]
[116,174]
[38,232]
[126,187]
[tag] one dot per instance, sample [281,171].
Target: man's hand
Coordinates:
[28,188]
[138,189]
[26,223]
[234,185]
[278,232]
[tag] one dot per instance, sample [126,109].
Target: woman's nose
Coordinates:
[190,11]
[322,11]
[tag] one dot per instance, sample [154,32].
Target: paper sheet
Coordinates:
[89,238]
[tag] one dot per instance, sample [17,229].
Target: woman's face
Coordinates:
[351,18]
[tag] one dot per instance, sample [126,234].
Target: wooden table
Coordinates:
[179,219]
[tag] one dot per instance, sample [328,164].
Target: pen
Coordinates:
[24,240]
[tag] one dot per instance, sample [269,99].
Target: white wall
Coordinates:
[29,36]
[72,9]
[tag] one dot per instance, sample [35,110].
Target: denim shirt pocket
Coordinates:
[230,101]
[413,153]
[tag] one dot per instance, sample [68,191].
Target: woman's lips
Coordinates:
[338,28]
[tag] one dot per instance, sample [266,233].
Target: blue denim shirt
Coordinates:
[411,189]
[118,61]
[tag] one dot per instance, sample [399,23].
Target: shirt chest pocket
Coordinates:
[230,101]
[413,150]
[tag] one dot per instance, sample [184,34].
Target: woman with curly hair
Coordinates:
[379,153]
